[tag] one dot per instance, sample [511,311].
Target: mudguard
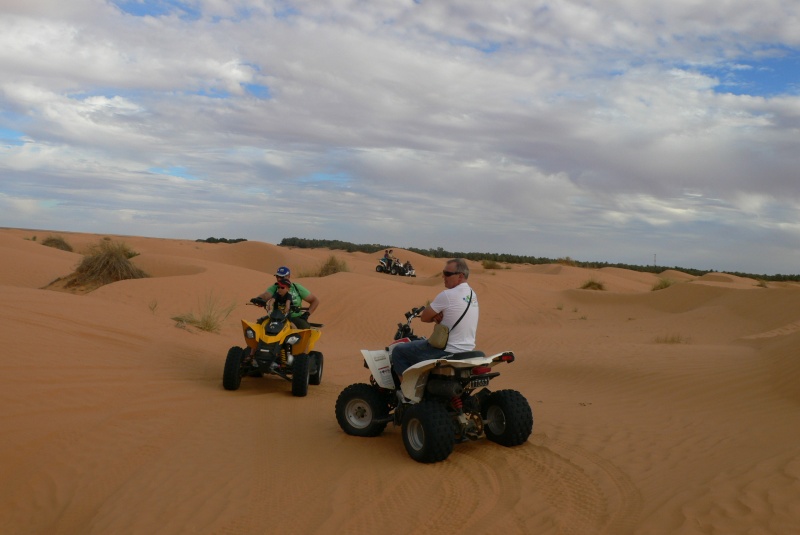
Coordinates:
[416,376]
[379,366]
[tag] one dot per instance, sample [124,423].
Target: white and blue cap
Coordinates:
[283,271]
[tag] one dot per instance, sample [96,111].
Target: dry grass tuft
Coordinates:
[210,316]
[671,339]
[57,242]
[106,262]
[593,284]
[332,265]
[491,264]
[662,283]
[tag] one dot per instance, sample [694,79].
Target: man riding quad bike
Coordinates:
[439,402]
[275,347]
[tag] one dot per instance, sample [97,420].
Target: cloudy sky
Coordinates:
[612,130]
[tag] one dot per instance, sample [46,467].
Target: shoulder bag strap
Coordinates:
[465,312]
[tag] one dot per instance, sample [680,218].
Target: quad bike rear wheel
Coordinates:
[379,268]
[509,417]
[315,377]
[428,432]
[300,374]
[362,410]
[233,371]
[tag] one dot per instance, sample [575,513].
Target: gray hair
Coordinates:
[461,266]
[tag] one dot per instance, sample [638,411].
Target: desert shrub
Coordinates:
[593,284]
[329,267]
[210,316]
[107,262]
[662,283]
[671,339]
[566,261]
[491,264]
[761,283]
[56,242]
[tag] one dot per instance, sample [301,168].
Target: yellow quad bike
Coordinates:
[274,347]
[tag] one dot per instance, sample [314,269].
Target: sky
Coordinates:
[622,131]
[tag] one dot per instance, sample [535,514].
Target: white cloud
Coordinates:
[469,125]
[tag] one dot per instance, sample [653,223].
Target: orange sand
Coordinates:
[674,411]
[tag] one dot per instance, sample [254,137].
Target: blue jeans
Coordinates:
[410,353]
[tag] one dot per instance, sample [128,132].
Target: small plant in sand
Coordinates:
[761,283]
[671,339]
[332,265]
[566,261]
[210,315]
[153,305]
[491,264]
[593,284]
[662,283]
[107,262]
[57,242]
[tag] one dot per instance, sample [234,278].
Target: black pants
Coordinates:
[300,323]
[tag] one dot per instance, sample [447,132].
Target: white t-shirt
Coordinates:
[453,301]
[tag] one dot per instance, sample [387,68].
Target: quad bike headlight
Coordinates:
[249,334]
[293,339]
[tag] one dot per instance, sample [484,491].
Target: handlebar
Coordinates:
[415,312]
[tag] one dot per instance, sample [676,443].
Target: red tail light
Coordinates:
[507,357]
[480,370]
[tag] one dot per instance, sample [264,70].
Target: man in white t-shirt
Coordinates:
[446,309]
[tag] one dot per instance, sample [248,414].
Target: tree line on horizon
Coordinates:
[440,252]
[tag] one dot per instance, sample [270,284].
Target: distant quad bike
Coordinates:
[279,350]
[394,267]
[440,402]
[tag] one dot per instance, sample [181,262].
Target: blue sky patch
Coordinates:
[158,8]
[175,170]
[258,91]
[770,76]
[11,137]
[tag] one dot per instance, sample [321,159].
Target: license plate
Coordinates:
[477,383]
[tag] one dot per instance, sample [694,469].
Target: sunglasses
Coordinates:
[450,273]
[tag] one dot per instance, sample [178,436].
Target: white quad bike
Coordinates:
[439,402]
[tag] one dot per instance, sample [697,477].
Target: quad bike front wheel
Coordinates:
[362,410]
[315,377]
[300,374]
[428,432]
[233,371]
[509,418]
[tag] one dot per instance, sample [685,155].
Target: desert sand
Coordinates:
[655,412]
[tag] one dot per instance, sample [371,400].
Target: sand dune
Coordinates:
[670,411]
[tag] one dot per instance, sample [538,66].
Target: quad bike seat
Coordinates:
[465,355]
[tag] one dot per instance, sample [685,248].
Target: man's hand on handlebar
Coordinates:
[259,302]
